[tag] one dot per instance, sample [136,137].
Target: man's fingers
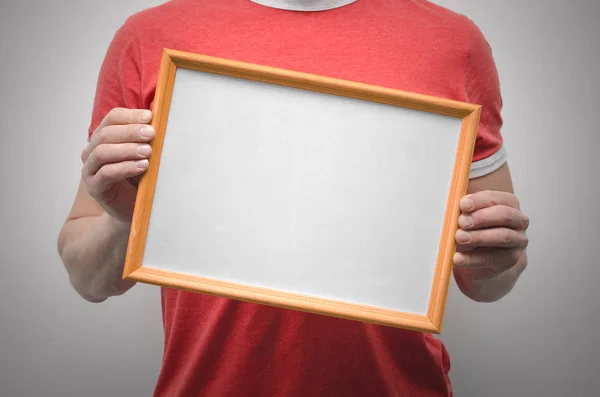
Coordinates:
[487,198]
[123,116]
[135,133]
[115,153]
[495,237]
[496,216]
[109,174]
[496,261]
[123,134]
[116,117]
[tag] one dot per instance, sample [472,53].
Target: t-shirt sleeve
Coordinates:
[482,86]
[119,79]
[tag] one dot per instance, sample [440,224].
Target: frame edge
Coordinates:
[147,184]
[323,84]
[285,300]
[458,188]
[171,59]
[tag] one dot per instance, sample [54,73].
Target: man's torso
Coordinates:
[220,347]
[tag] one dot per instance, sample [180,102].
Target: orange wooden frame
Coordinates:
[432,321]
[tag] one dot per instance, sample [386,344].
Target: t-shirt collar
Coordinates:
[304,5]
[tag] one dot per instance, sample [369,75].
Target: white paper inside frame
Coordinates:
[300,191]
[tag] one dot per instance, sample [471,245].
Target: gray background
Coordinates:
[539,341]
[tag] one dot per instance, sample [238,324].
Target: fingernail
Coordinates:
[462,236]
[466,203]
[146,116]
[466,221]
[147,131]
[143,150]
[459,259]
[142,164]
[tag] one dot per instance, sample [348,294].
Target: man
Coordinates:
[220,347]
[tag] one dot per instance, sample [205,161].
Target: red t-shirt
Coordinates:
[219,347]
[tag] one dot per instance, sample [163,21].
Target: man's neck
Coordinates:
[304,5]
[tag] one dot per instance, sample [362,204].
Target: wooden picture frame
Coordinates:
[164,224]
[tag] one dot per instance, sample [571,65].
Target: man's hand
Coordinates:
[93,241]
[117,153]
[491,241]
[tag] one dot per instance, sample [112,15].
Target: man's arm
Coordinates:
[488,266]
[93,240]
[92,246]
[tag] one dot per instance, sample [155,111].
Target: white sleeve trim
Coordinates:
[489,164]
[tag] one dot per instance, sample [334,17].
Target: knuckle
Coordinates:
[476,238]
[131,133]
[115,112]
[99,155]
[91,159]
[111,173]
[115,115]
[102,135]
[525,222]
[479,218]
[506,215]
[122,168]
[107,174]
[102,174]
[505,237]
[111,115]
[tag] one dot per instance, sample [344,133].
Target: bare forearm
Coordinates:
[93,251]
